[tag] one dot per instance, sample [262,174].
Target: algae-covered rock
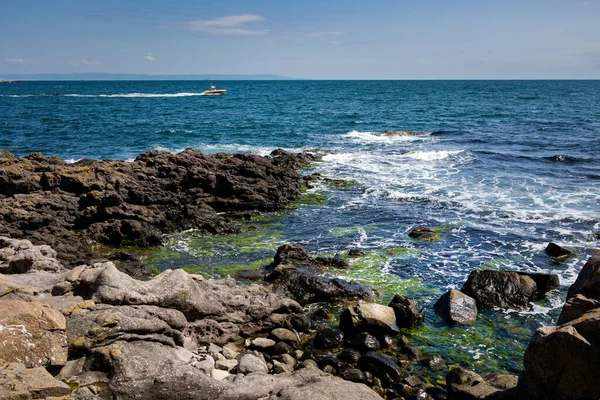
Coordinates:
[424,233]
[558,252]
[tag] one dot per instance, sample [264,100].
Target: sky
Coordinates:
[311,39]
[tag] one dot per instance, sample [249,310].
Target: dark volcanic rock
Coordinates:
[121,203]
[296,275]
[408,312]
[365,342]
[500,289]
[351,356]
[380,366]
[423,233]
[556,251]
[329,338]
[456,308]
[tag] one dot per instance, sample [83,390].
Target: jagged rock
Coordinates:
[556,251]
[575,307]
[408,312]
[588,280]
[424,233]
[123,203]
[365,342]
[467,385]
[19,382]
[250,363]
[502,289]
[32,334]
[20,256]
[456,308]
[373,318]
[329,338]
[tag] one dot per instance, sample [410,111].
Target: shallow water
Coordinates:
[501,168]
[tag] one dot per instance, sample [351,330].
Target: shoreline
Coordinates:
[198,319]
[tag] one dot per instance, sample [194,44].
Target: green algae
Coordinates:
[339,183]
[349,230]
[310,199]
[401,251]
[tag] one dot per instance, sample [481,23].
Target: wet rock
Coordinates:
[300,323]
[250,363]
[296,275]
[332,262]
[502,289]
[19,382]
[365,342]
[281,348]
[424,233]
[408,312]
[121,203]
[556,251]
[386,341]
[435,362]
[467,385]
[250,275]
[588,280]
[380,366]
[356,252]
[544,282]
[329,339]
[32,334]
[456,308]
[354,375]
[351,356]
[374,318]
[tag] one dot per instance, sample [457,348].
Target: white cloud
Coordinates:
[15,60]
[149,57]
[328,33]
[228,25]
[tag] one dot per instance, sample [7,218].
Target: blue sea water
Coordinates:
[502,167]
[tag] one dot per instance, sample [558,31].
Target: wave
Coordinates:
[126,95]
[432,155]
[227,148]
[565,158]
[379,137]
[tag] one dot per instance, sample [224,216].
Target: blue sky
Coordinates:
[327,39]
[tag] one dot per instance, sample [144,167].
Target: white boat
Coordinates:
[214,91]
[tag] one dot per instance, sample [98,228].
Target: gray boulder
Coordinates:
[19,382]
[467,385]
[20,256]
[373,318]
[456,308]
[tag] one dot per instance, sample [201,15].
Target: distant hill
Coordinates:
[141,77]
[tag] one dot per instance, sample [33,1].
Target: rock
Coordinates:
[374,318]
[219,374]
[281,348]
[588,280]
[121,203]
[408,312]
[300,323]
[354,375]
[332,262]
[424,233]
[280,368]
[544,282]
[206,365]
[351,356]
[328,339]
[365,342]
[20,256]
[575,307]
[556,251]
[250,363]
[502,289]
[435,362]
[456,308]
[32,334]
[296,275]
[226,365]
[467,385]
[285,335]
[263,343]
[229,353]
[380,366]
[214,349]
[309,364]
[19,382]
[356,252]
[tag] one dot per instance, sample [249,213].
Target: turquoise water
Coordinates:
[502,167]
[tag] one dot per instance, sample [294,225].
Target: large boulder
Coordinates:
[588,280]
[506,289]
[32,334]
[373,318]
[467,385]
[456,308]
[19,382]
[409,313]
[380,366]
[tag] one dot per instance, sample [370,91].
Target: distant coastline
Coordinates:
[141,77]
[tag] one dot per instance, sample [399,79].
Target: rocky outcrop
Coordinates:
[467,385]
[20,256]
[32,334]
[456,308]
[506,289]
[296,275]
[561,362]
[20,382]
[118,203]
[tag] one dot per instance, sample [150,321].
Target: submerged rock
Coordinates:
[424,233]
[456,308]
[556,251]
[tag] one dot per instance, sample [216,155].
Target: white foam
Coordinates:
[182,94]
[432,155]
[374,137]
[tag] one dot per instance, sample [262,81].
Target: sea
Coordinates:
[498,168]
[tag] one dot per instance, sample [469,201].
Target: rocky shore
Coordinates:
[75,325]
